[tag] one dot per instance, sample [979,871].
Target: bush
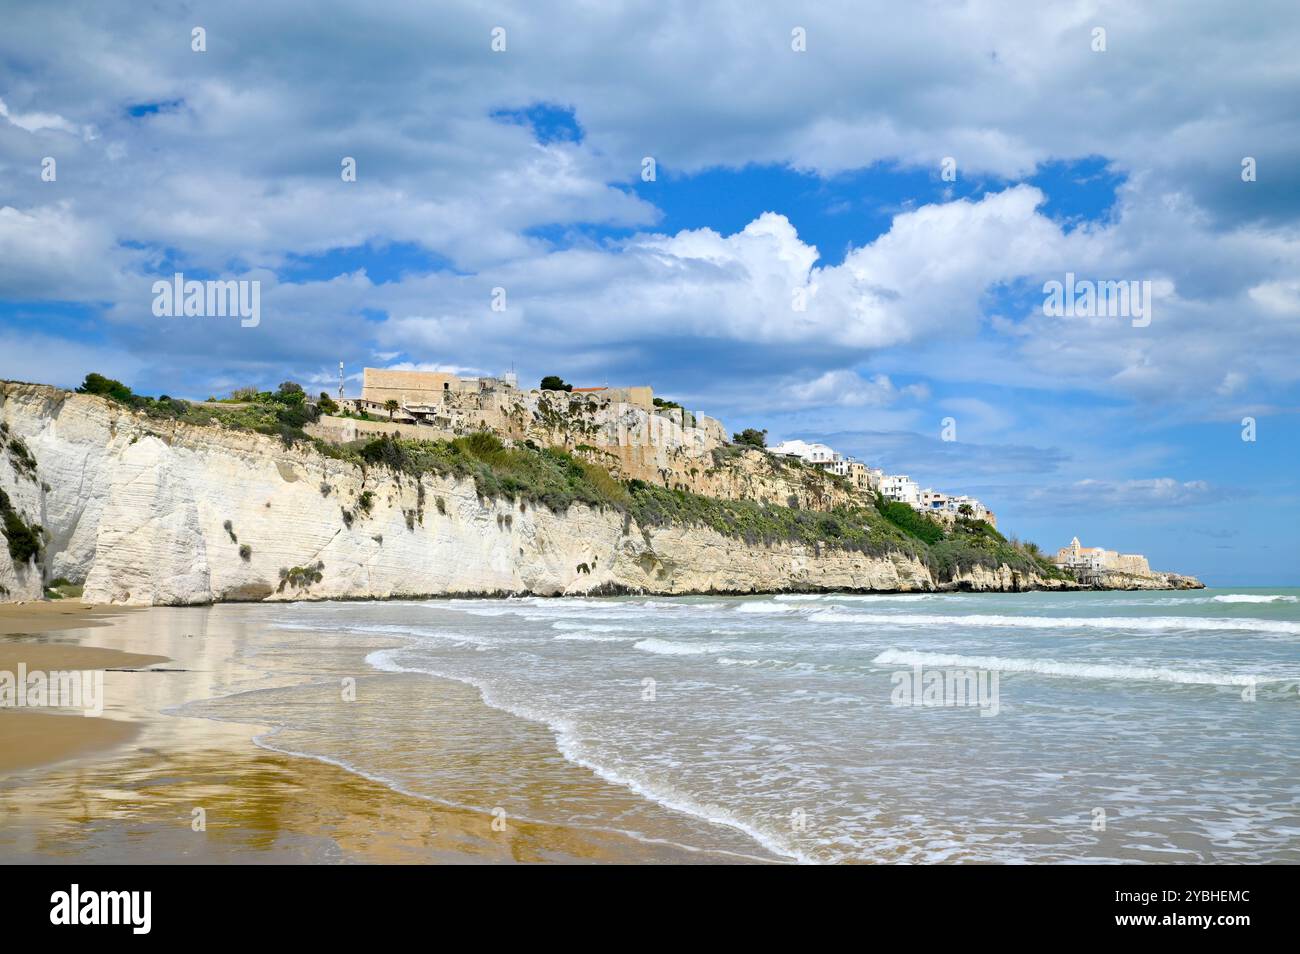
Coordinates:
[850,528]
[751,437]
[24,541]
[551,477]
[290,393]
[909,520]
[301,577]
[21,458]
[106,387]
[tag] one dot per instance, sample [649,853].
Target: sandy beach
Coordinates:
[143,784]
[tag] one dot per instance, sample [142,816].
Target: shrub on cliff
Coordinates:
[909,520]
[106,387]
[846,528]
[161,407]
[551,477]
[972,543]
[24,541]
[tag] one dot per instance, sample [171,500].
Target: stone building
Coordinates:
[1096,559]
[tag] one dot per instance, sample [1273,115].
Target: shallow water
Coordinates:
[1112,726]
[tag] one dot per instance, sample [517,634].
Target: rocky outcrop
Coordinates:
[1001,579]
[146,511]
[1154,580]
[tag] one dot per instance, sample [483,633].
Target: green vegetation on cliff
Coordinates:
[24,541]
[846,528]
[555,479]
[549,477]
[282,413]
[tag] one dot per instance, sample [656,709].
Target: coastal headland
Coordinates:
[161,502]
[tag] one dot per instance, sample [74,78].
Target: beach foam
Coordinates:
[1254,598]
[1074,670]
[1063,622]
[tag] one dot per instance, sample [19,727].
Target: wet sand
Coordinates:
[43,617]
[31,737]
[148,783]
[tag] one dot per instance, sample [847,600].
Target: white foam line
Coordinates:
[1254,598]
[567,744]
[1053,667]
[1063,622]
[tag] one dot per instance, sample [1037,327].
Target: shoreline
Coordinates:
[123,787]
[110,609]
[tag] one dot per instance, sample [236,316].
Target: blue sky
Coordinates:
[776,171]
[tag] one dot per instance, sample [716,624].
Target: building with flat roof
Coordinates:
[1078,557]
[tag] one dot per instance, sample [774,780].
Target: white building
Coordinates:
[818,454]
[858,474]
[977,510]
[901,488]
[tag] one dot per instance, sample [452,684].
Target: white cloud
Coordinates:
[1154,492]
[36,122]
[850,389]
[239,172]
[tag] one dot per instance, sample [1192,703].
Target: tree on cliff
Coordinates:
[105,387]
[290,393]
[553,382]
[751,436]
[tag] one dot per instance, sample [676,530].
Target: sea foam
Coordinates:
[1053,667]
[1063,622]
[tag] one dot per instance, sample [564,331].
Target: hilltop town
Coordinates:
[626,429]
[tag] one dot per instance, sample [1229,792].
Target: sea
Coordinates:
[1093,727]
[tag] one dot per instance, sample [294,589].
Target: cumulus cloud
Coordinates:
[229,161]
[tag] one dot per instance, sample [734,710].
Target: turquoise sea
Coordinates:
[1092,727]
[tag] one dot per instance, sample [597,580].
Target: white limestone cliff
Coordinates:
[148,511]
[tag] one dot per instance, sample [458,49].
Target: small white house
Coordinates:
[901,488]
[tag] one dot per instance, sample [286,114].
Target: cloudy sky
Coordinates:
[780,174]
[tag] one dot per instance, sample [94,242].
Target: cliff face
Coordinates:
[151,512]
[653,448]
[159,512]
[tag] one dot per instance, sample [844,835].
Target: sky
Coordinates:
[853,213]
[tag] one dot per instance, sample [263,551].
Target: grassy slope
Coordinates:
[553,478]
